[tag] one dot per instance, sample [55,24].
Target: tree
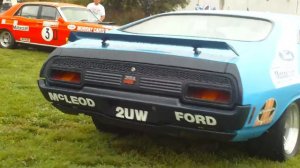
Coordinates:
[124,11]
[132,10]
[158,6]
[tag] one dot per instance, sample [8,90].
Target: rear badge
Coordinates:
[195,119]
[133,69]
[129,80]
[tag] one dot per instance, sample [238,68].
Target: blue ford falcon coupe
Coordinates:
[230,76]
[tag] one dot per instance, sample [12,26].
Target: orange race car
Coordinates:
[46,23]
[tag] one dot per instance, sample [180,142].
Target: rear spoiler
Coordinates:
[195,44]
[107,23]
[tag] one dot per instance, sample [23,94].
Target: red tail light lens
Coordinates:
[209,95]
[66,76]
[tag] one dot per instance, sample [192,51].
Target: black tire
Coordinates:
[108,128]
[274,143]
[7,40]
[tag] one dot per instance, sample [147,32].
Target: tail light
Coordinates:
[209,95]
[66,76]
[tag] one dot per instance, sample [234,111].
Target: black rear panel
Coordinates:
[148,78]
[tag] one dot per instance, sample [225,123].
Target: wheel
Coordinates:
[6,40]
[108,128]
[281,142]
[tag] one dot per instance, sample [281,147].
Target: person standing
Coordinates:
[97,9]
[205,5]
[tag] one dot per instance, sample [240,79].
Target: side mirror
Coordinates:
[61,20]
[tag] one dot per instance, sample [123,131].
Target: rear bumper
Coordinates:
[165,115]
[171,130]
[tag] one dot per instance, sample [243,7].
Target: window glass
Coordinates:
[205,26]
[74,14]
[49,13]
[29,11]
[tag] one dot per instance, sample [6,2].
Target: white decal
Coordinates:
[71,99]
[47,33]
[3,21]
[99,30]
[131,114]
[90,29]
[284,68]
[20,28]
[197,119]
[71,27]
[50,24]
[25,40]
[84,29]
[15,22]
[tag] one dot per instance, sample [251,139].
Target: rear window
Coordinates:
[205,26]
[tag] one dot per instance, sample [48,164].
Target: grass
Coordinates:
[34,134]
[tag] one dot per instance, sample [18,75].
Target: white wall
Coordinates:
[280,6]
[193,3]
[235,4]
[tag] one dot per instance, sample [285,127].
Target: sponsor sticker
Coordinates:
[284,69]
[71,27]
[90,29]
[84,29]
[20,28]
[287,55]
[50,24]
[56,97]
[3,21]
[267,113]
[25,40]
[98,30]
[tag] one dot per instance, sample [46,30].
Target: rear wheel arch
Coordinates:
[294,100]
[4,29]
[298,102]
[281,141]
[7,39]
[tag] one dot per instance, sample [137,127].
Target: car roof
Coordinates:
[274,17]
[55,4]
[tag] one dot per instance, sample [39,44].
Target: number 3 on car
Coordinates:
[45,23]
[47,33]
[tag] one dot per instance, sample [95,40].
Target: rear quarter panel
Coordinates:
[270,74]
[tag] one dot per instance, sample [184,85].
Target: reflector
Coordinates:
[66,76]
[208,94]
